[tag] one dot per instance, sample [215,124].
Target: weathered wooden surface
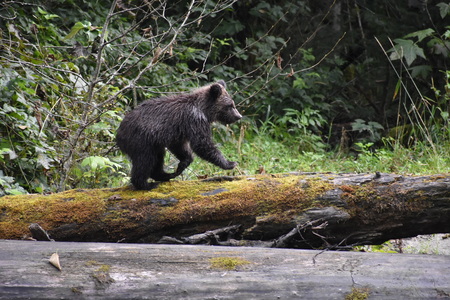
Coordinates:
[137,271]
[291,210]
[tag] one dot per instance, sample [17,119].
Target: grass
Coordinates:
[257,151]
[264,154]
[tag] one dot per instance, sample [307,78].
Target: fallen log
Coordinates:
[142,271]
[330,211]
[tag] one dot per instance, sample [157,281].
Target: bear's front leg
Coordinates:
[206,150]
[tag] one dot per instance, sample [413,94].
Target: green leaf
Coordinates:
[77,27]
[10,152]
[406,49]
[50,16]
[421,34]
[17,191]
[13,30]
[444,9]
[44,161]
[447,33]
[299,83]
[421,71]
[397,89]
[375,125]
[94,162]
[46,15]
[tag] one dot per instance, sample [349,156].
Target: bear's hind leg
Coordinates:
[158,172]
[184,154]
[140,173]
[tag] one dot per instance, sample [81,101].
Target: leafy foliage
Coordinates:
[70,70]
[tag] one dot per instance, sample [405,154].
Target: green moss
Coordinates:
[183,189]
[101,267]
[358,294]
[278,196]
[368,203]
[227,263]
[76,290]
[92,263]
[262,195]
[104,268]
[49,210]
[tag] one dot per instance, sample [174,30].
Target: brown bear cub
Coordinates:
[180,123]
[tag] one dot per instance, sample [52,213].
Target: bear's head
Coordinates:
[221,107]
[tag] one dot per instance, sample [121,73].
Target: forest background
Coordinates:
[329,86]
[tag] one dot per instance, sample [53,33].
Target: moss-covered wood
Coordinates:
[290,210]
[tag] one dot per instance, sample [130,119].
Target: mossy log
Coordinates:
[290,210]
[142,271]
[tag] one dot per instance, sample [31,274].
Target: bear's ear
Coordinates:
[222,83]
[215,91]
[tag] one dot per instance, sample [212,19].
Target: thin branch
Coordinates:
[323,57]
[99,59]
[165,48]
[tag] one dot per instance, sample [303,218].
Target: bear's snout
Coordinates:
[237,116]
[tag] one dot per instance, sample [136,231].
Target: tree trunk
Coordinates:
[292,210]
[137,271]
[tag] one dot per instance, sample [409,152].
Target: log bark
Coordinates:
[330,211]
[140,271]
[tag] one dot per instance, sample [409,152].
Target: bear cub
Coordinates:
[180,123]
